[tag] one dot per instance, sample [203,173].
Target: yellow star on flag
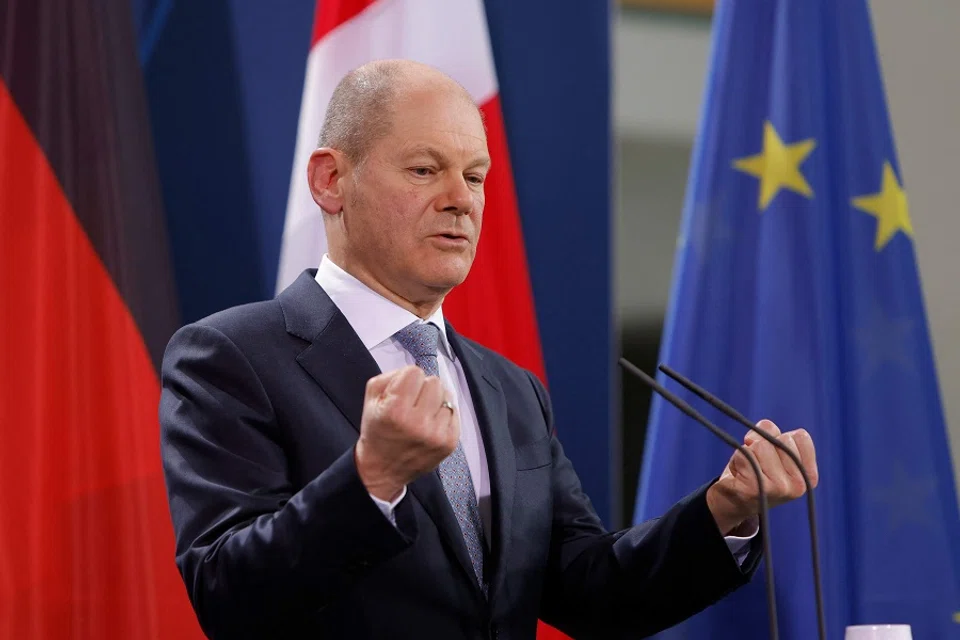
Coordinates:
[889,207]
[956,617]
[778,165]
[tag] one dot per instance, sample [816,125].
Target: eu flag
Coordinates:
[796,297]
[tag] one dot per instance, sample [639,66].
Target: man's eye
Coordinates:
[422,171]
[475,179]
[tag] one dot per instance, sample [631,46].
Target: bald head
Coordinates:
[362,106]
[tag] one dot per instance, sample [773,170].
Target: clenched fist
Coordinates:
[735,499]
[405,430]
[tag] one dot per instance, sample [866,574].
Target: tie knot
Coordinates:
[420,339]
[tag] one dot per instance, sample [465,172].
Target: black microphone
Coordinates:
[811,508]
[764,512]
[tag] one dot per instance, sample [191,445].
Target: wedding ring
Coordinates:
[446,405]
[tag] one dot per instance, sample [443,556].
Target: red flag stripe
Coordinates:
[330,14]
[86,550]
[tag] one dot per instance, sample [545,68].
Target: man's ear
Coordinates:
[324,170]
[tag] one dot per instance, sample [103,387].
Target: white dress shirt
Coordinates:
[375,319]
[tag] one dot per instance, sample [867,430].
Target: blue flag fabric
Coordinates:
[796,297]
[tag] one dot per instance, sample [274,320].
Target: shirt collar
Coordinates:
[374,318]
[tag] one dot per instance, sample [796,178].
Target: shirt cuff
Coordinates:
[740,545]
[387,508]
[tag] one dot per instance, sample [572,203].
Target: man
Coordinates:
[342,464]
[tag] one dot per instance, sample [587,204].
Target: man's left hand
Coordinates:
[734,499]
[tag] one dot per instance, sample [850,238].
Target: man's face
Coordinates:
[413,210]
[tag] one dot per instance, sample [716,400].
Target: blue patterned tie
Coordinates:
[420,339]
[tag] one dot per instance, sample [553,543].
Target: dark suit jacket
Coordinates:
[277,536]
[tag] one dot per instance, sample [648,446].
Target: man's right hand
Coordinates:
[405,430]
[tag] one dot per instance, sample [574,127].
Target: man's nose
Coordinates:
[457,197]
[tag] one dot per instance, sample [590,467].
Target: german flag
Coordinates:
[86,307]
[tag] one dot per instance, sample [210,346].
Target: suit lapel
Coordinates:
[491,410]
[336,357]
[339,362]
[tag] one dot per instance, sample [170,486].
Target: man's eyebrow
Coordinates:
[482,161]
[437,156]
[424,149]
